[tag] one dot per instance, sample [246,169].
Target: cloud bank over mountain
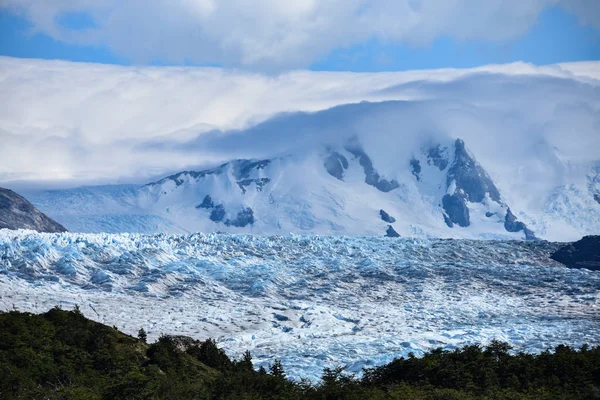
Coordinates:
[87,123]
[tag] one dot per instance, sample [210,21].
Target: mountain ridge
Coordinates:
[442,190]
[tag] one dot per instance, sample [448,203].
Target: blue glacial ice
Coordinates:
[311,301]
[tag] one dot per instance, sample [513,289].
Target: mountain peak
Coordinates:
[469,176]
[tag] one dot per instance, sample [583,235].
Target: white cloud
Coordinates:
[275,34]
[85,123]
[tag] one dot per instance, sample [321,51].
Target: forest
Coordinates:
[63,355]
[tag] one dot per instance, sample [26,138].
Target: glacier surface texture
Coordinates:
[313,302]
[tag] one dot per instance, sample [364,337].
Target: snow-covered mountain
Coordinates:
[508,151]
[18,213]
[434,185]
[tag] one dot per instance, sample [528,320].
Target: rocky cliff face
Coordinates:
[18,213]
[465,185]
[584,253]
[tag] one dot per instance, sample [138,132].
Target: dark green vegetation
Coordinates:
[63,355]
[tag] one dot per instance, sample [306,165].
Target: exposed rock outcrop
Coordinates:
[415,166]
[218,213]
[584,253]
[240,169]
[456,209]
[243,218]
[386,217]
[18,213]
[371,176]
[436,155]
[469,176]
[512,225]
[259,183]
[468,182]
[391,232]
[336,164]
[206,203]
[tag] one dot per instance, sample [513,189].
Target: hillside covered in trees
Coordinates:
[63,355]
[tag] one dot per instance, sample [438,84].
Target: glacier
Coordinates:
[312,301]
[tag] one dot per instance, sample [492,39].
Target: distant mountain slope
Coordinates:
[18,213]
[439,190]
[98,209]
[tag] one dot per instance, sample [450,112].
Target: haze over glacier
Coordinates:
[508,151]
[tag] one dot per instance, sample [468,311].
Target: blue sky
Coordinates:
[553,35]
[556,37]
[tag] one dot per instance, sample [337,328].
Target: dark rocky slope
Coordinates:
[18,213]
[584,253]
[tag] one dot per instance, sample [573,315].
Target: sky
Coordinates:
[272,36]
